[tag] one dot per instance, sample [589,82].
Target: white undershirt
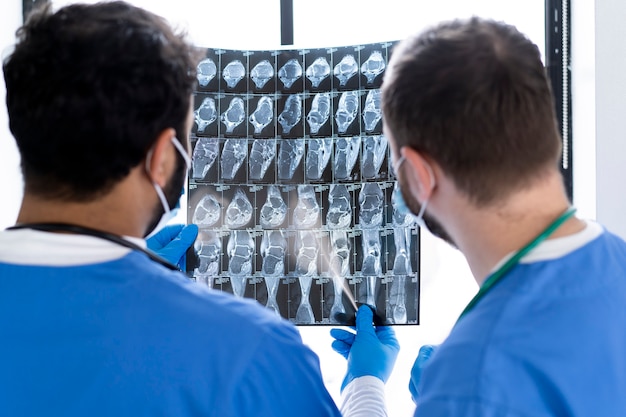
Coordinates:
[34,247]
[561,246]
[558,247]
[364,397]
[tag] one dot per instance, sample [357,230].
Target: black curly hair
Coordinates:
[89,89]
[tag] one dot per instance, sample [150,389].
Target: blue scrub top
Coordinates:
[128,337]
[548,340]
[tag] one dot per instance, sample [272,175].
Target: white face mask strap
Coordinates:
[148,158]
[397,165]
[157,187]
[431,174]
[168,213]
[420,215]
[182,151]
[161,195]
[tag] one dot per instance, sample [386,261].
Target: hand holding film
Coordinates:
[371,351]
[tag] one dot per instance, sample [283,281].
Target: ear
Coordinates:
[419,172]
[161,159]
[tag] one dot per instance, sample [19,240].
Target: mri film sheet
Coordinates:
[292,188]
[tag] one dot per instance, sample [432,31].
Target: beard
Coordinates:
[172,191]
[434,226]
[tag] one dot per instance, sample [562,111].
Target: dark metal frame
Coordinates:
[29,5]
[558,66]
[286,22]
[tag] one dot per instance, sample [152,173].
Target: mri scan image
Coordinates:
[292,188]
[319,113]
[347,110]
[206,114]
[318,71]
[262,73]
[373,66]
[291,114]
[234,72]
[346,69]
[233,156]
[290,72]
[234,115]
[263,115]
[262,155]
[204,155]
[206,71]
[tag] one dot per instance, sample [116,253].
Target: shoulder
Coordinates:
[613,242]
[272,371]
[222,324]
[478,378]
[176,295]
[515,346]
[259,359]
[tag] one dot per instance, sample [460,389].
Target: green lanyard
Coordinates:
[496,277]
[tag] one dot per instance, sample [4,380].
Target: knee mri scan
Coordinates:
[292,185]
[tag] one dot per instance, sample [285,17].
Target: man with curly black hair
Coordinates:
[99,102]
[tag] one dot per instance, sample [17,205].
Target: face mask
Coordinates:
[399,199]
[168,212]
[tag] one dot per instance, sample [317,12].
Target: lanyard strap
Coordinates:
[496,277]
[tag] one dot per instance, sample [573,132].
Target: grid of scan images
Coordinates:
[293,189]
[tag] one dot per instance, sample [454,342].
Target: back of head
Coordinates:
[474,96]
[89,88]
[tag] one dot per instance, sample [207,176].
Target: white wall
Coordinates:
[584,107]
[332,22]
[236,24]
[10,183]
[610,99]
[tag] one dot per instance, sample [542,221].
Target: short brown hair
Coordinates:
[474,96]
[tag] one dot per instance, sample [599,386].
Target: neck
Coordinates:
[121,211]
[486,235]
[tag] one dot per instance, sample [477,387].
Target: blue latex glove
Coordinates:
[171,243]
[423,356]
[371,351]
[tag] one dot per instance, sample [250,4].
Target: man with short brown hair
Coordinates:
[470,119]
